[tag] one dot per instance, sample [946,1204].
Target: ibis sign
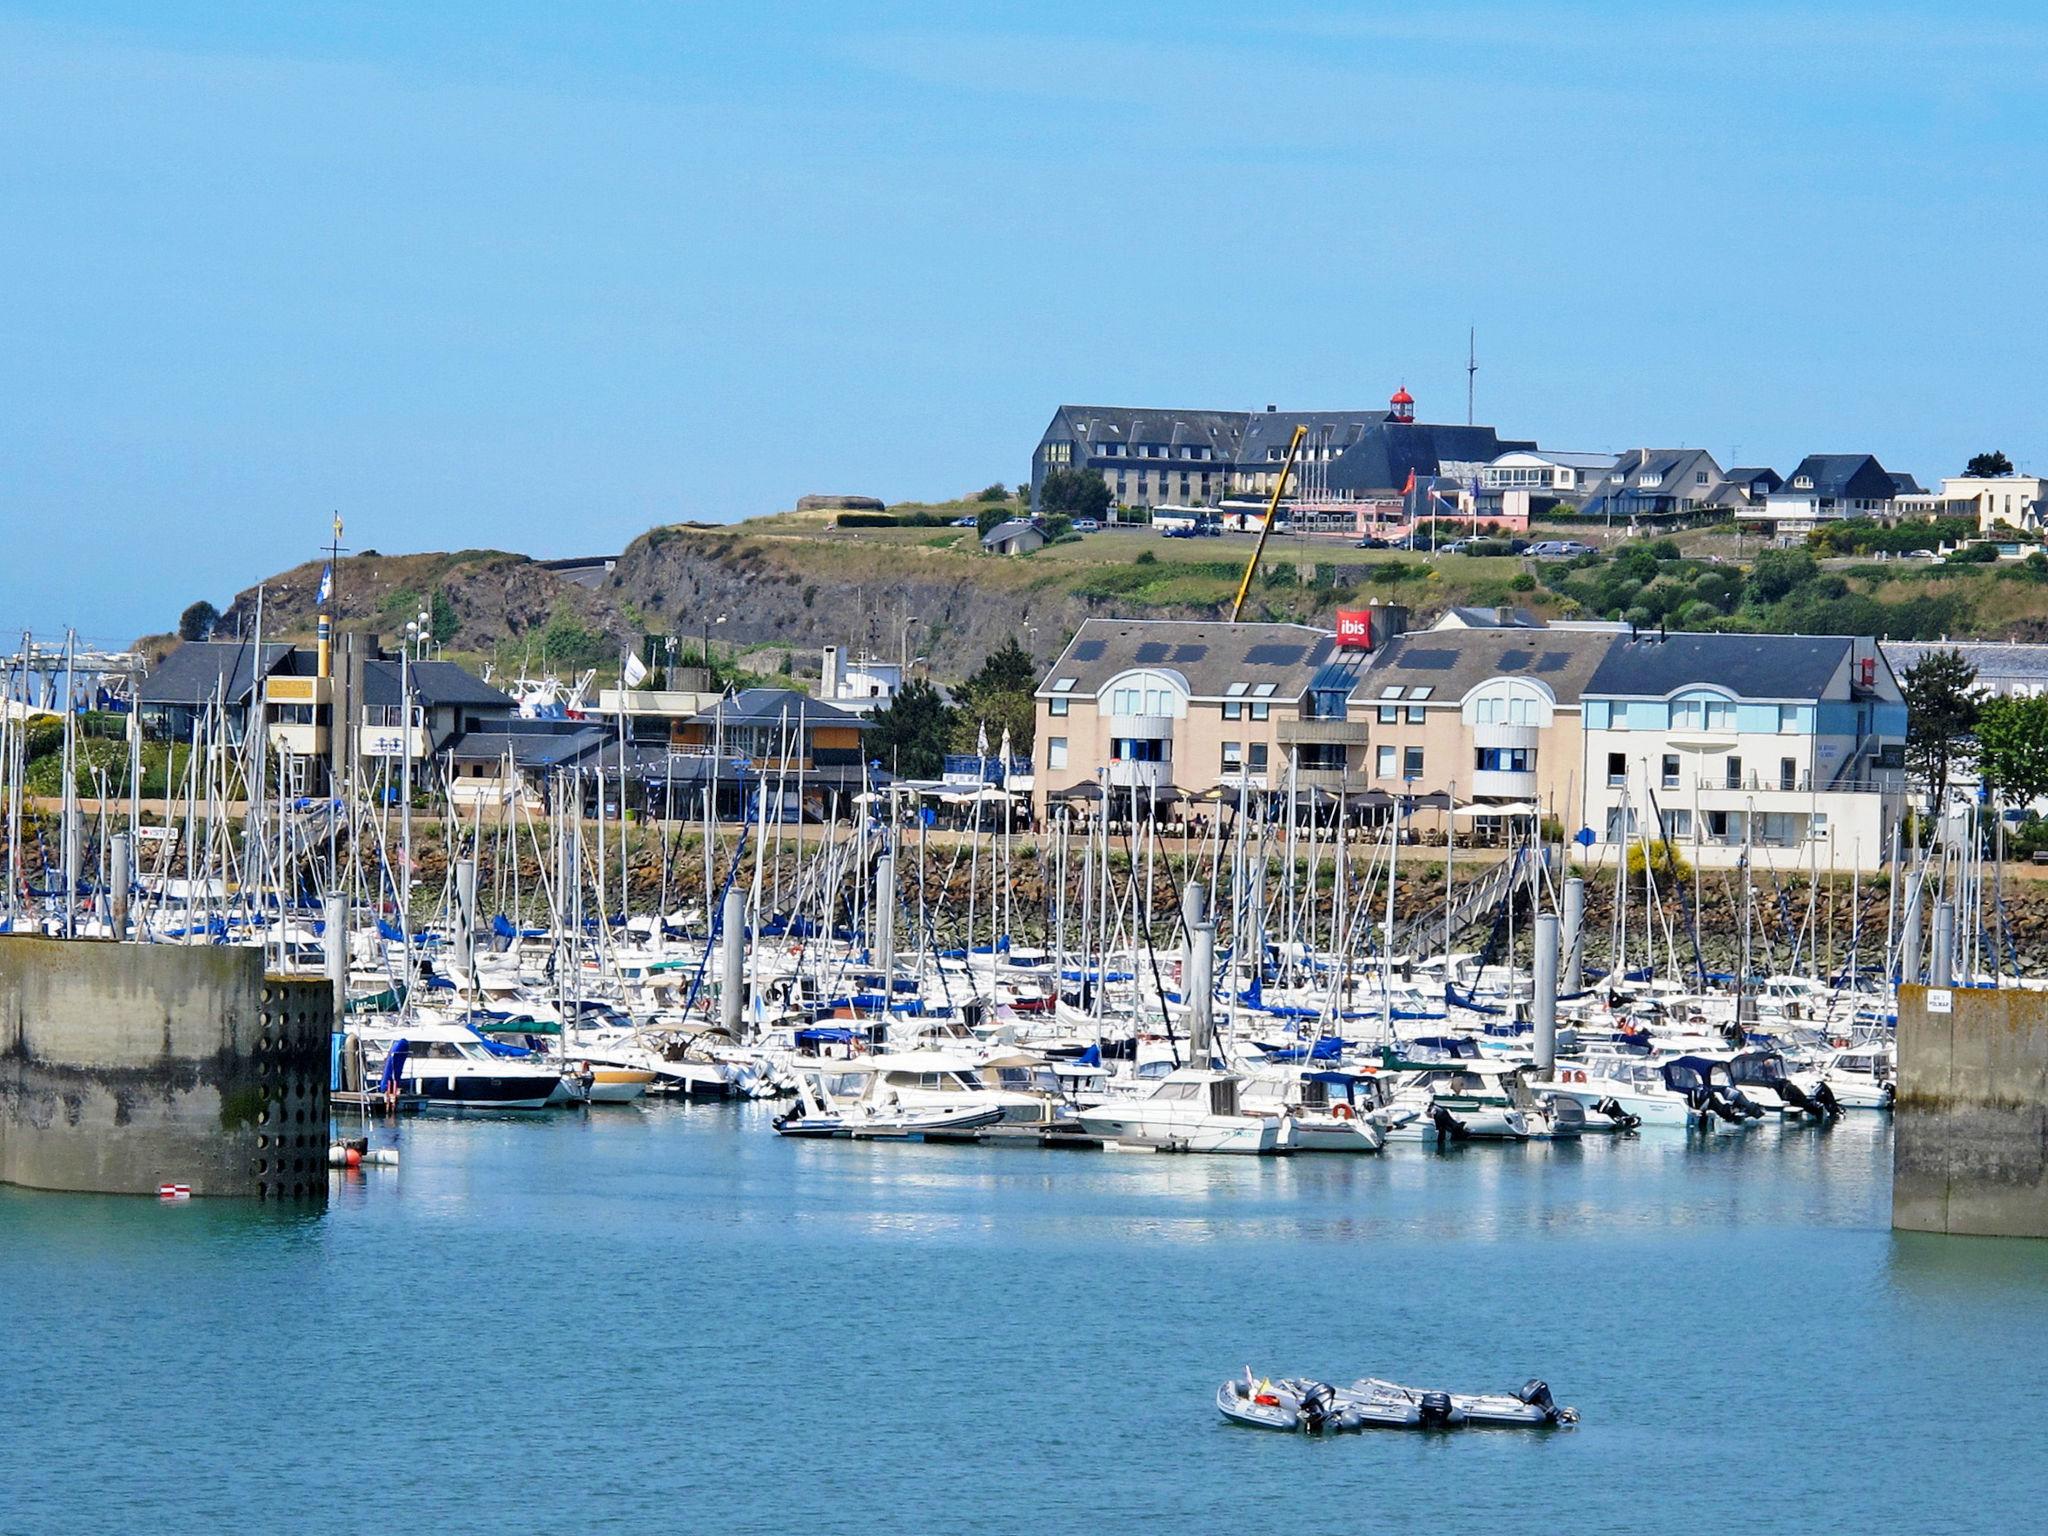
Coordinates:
[1354,629]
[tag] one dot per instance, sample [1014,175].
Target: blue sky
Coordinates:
[538,276]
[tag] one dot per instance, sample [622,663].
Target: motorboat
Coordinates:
[1332,1111]
[1712,1101]
[1193,1109]
[1530,1407]
[1859,1076]
[451,1066]
[1760,1077]
[1612,1086]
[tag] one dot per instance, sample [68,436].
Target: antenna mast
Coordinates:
[1471,368]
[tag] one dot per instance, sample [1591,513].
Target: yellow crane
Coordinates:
[1265,528]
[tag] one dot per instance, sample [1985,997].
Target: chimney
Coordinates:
[828,685]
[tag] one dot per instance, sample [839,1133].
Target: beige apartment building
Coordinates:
[1491,716]
[1162,705]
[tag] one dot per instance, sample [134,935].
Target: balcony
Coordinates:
[393,741]
[1320,733]
[1148,727]
[1506,782]
[1525,736]
[300,740]
[1126,773]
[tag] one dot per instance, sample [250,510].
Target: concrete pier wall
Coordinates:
[1970,1142]
[128,1066]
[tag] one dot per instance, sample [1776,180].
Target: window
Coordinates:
[1383,763]
[1056,752]
[1421,693]
[1671,770]
[1699,477]
[1233,710]
[1263,691]
[1233,756]
[1486,712]
[1236,690]
[1788,773]
[1678,824]
[1621,824]
[1411,762]
[1256,757]
[1390,714]
[1502,759]
[1056,706]
[1415,714]
[1261,711]
[1617,769]
[1734,779]
[1788,719]
[1391,693]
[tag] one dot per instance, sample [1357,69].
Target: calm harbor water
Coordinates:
[666,1318]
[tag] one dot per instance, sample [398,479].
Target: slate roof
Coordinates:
[1002,532]
[2000,664]
[194,672]
[778,706]
[1842,476]
[433,683]
[1452,662]
[1749,666]
[1210,655]
[1493,618]
[1749,474]
[531,749]
[1384,457]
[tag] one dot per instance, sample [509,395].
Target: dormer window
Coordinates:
[1802,482]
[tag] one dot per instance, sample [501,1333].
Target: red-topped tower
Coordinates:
[1401,407]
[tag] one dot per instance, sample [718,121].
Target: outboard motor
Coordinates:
[1611,1108]
[1744,1107]
[1802,1101]
[1825,1103]
[1448,1126]
[1536,1393]
[1436,1410]
[1318,1405]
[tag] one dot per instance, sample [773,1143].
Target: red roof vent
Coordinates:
[1403,404]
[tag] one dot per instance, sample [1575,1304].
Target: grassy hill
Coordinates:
[789,583]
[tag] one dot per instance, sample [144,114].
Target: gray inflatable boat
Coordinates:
[1299,1405]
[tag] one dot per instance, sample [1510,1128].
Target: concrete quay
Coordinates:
[128,1067]
[1970,1138]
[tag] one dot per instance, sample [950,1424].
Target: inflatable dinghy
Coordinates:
[1298,1405]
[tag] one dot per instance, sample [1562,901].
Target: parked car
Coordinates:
[964,522]
[1087,525]
[1369,542]
[1558,549]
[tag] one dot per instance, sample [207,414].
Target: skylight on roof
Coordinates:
[1235,690]
[1393,692]
[1263,691]
[1423,692]
[1063,685]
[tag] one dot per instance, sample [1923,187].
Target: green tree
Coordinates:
[196,622]
[988,517]
[445,621]
[997,697]
[1942,706]
[2012,747]
[910,736]
[1076,492]
[1779,572]
[1986,466]
[996,492]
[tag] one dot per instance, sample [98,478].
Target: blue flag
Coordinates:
[326,585]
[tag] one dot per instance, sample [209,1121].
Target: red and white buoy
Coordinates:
[174,1191]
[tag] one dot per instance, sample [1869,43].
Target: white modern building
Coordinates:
[1791,747]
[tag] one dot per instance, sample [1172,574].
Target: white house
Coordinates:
[2014,500]
[1790,745]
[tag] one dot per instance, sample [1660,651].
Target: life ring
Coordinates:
[1342,1112]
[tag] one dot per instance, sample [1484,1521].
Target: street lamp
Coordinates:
[426,629]
[903,649]
[704,638]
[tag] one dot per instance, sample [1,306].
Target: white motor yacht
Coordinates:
[1193,1109]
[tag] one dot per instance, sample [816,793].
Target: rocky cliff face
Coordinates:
[807,594]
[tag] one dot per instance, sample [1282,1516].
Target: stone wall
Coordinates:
[1970,1140]
[124,1067]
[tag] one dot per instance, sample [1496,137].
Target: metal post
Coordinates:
[120,877]
[1941,966]
[884,919]
[1909,931]
[465,918]
[1544,970]
[1197,981]
[1572,937]
[336,920]
[732,963]
[73,842]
